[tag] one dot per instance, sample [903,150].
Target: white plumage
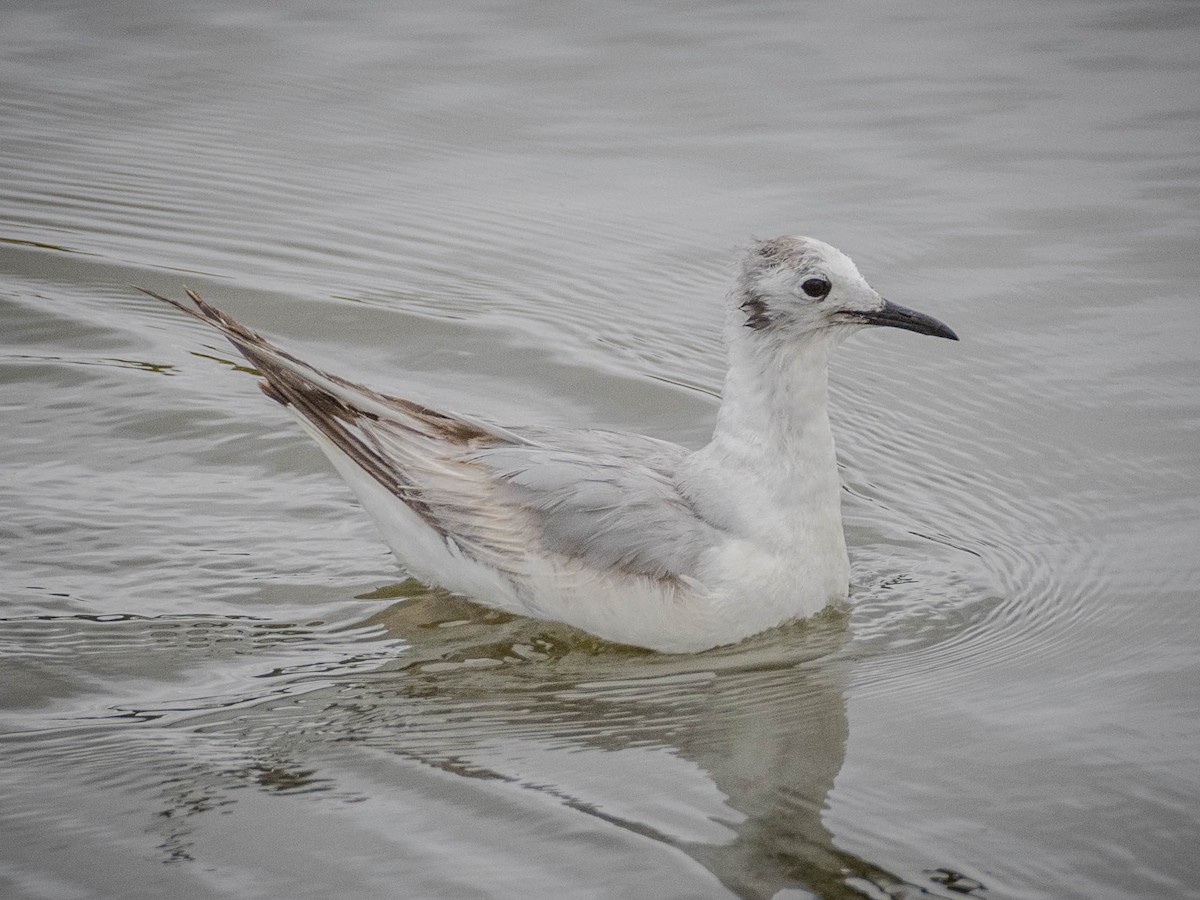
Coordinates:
[633,539]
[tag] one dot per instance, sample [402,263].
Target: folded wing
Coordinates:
[500,496]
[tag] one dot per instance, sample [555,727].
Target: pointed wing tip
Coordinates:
[201,309]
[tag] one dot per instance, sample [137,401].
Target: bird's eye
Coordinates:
[816,288]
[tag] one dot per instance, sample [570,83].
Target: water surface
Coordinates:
[216,682]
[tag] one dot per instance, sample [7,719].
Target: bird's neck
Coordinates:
[770,468]
[774,404]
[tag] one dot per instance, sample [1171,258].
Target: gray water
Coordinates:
[216,682]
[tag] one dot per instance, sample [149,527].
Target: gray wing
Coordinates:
[608,500]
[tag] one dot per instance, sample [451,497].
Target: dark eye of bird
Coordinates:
[816,288]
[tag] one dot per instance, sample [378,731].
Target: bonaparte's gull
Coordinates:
[633,539]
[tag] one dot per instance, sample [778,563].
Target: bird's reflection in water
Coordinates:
[762,725]
[728,756]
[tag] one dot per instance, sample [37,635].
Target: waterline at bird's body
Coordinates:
[630,538]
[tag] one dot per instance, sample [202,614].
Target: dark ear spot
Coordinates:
[755,308]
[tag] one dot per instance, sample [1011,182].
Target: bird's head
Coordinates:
[798,287]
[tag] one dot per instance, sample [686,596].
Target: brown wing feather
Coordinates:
[394,440]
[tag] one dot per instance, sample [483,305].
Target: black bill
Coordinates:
[896,316]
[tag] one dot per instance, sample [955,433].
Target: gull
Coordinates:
[633,539]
